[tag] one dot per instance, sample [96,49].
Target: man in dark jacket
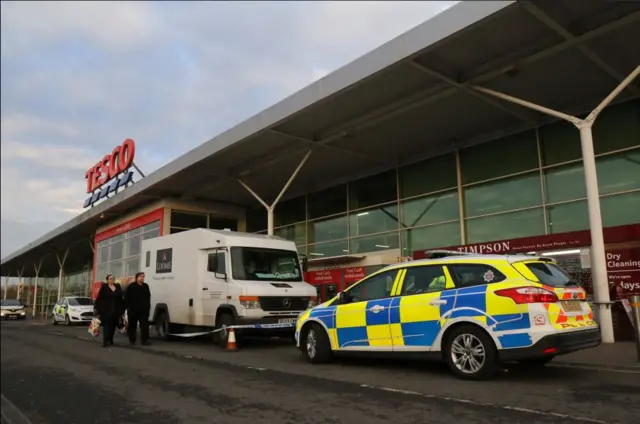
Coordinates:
[138,300]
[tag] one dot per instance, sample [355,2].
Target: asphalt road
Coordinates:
[60,375]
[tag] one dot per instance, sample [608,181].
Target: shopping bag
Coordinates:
[94,327]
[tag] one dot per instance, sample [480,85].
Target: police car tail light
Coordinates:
[529,295]
[250,302]
[313,302]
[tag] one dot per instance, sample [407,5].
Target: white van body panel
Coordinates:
[181,282]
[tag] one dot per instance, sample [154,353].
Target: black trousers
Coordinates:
[136,318]
[109,323]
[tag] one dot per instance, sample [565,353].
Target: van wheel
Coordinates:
[162,326]
[223,321]
[470,353]
[315,345]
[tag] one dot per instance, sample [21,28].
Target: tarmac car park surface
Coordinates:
[60,374]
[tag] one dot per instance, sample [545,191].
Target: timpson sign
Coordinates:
[111,173]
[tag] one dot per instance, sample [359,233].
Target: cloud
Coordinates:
[79,77]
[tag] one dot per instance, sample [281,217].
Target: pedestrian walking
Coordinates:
[138,301]
[109,307]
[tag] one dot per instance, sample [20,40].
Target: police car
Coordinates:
[73,310]
[472,311]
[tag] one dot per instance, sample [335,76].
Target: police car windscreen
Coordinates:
[259,264]
[550,274]
[80,301]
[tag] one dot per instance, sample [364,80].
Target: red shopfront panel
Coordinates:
[328,283]
[155,215]
[353,275]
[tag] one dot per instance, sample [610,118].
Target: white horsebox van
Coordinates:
[204,279]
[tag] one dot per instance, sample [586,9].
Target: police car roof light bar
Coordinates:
[434,254]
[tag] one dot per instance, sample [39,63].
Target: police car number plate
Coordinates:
[572,306]
[287,320]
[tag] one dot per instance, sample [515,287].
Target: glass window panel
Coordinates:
[131,266]
[296,233]
[506,226]
[217,223]
[431,175]
[504,156]
[620,172]
[433,236]
[375,243]
[327,202]
[617,127]
[152,226]
[323,250]
[103,254]
[374,220]
[621,209]
[116,250]
[328,229]
[117,238]
[430,210]
[567,217]
[373,190]
[134,244]
[115,268]
[103,243]
[101,271]
[256,220]
[559,142]
[302,250]
[503,195]
[188,220]
[565,183]
[133,232]
[291,211]
[151,234]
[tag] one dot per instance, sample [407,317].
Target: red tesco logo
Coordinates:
[111,165]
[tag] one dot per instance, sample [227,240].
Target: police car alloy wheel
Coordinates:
[470,353]
[315,346]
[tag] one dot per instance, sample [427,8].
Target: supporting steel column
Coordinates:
[18,293]
[270,208]
[6,285]
[461,203]
[598,258]
[35,290]
[61,270]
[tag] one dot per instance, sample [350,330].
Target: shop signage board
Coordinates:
[111,173]
[623,269]
[353,275]
[324,276]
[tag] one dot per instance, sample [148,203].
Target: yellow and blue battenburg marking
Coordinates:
[417,320]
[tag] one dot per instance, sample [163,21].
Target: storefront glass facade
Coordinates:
[183,221]
[120,254]
[525,184]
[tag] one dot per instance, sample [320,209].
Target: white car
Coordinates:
[73,310]
[12,309]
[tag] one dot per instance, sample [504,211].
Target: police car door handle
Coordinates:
[436,302]
[377,308]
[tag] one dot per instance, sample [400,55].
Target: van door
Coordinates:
[214,287]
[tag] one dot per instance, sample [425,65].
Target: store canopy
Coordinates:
[409,99]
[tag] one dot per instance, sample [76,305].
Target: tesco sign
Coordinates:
[113,168]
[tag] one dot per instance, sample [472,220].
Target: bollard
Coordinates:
[635,308]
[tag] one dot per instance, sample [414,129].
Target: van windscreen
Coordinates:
[259,264]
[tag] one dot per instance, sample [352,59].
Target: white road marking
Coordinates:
[594,368]
[488,405]
[10,410]
[257,368]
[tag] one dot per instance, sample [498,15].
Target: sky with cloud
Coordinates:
[79,77]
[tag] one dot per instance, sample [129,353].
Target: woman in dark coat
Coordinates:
[109,308]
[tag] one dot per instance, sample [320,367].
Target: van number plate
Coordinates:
[572,306]
[287,320]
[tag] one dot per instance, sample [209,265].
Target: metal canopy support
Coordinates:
[271,208]
[19,295]
[599,263]
[35,290]
[6,285]
[93,249]
[61,270]
[568,36]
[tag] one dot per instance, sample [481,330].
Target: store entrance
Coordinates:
[326,291]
